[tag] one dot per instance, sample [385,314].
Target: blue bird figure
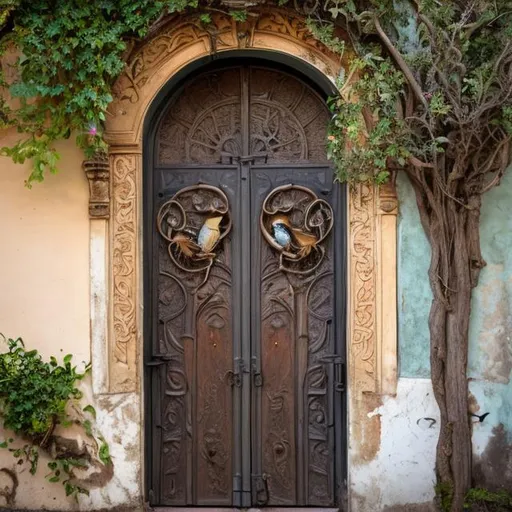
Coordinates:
[281,234]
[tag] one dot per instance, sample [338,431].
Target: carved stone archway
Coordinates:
[116,229]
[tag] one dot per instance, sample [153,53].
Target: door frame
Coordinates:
[153,119]
[115,230]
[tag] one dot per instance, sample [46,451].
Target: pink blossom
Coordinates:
[92,130]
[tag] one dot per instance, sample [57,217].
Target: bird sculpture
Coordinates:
[305,241]
[186,245]
[281,233]
[209,234]
[289,237]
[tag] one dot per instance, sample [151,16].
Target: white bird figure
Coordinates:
[209,234]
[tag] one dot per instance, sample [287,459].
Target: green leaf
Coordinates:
[91,410]
[104,452]
[88,427]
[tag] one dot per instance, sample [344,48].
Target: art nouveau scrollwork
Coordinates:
[194,222]
[295,222]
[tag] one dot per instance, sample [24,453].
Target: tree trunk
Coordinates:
[453,233]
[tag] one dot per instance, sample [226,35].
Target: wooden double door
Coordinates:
[245,291]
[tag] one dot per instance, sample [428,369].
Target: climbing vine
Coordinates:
[70,56]
[36,397]
[429,93]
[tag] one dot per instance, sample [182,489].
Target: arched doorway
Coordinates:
[245,287]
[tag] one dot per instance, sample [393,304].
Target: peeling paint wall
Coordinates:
[401,471]
[414,294]
[490,361]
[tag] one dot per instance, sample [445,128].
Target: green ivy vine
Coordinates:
[35,397]
[71,54]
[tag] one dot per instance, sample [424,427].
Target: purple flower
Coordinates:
[92,130]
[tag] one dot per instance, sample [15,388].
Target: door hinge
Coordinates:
[339,370]
[160,359]
[339,376]
[260,489]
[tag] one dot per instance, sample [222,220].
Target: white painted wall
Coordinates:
[403,470]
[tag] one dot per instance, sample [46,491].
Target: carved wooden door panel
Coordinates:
[245,310]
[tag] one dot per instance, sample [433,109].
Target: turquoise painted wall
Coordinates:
[491,319]
[490,356]
[414,295]
[490,353]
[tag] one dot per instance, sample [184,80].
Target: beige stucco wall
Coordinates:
[44,271]
[44,298]
[44,280]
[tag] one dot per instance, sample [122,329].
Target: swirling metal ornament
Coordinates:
[194,222]
[295,222]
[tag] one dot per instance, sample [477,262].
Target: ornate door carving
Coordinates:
[245,361]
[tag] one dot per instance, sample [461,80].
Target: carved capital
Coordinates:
[98,174]
[388,201]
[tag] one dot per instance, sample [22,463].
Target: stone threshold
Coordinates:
[234,509]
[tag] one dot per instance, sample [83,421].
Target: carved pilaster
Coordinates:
[124,232]
[363,349]
[387,332]
[98,174]
[373,344]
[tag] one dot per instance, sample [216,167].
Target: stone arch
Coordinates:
[183,40]
[116,221]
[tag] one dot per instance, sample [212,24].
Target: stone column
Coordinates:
[98,174]
[387,333]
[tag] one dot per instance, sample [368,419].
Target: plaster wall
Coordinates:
[44,283]
[44,274]
[400,473]
[490,356]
